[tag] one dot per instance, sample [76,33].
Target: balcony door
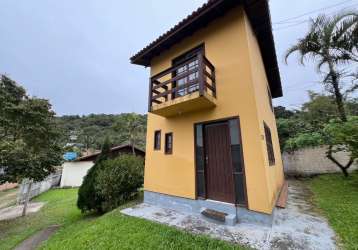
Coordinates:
[188,63]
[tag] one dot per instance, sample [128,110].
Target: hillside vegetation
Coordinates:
[89,131]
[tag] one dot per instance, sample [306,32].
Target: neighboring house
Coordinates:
[70,156]
[7,186]
[211,135]
[73,172]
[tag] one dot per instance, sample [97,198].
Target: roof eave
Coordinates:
[259,16]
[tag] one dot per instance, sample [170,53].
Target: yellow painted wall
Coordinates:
[228,47]
[274,173]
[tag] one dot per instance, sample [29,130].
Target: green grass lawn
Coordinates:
[117,231]
[60,208]
[337,197]
[110,231]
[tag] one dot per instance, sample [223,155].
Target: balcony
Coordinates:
[186,87]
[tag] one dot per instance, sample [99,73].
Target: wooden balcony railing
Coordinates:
[196,74]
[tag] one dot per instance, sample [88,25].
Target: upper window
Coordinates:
[169,143]
[269,97]
[157,140]
[189,82]
[270,152]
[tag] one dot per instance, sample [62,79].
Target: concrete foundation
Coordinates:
[234,213]
[298,226]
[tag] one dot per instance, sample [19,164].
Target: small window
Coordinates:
[157,140]
[169,143]
[269,97]
[270,152]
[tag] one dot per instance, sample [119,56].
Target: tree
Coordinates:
[29,145]
[282,112]
[342,136]
[94,128]
[304,128]
[88,137]
[289,129]
[330,42]
[88,198]
[319,110]
[131,128]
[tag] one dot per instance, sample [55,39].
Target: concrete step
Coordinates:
[213,214]
[228,219]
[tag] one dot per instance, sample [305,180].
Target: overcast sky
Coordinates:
[76,53]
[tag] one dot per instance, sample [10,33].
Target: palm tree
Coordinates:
[330,42]
[131,126]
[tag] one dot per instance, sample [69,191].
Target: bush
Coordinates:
[88,198]
[304,140]
[118,180]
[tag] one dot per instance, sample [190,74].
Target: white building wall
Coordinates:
[313,161]
[74,172]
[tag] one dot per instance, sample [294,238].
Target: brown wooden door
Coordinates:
[219,171]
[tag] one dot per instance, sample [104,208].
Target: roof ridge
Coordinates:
[180,23]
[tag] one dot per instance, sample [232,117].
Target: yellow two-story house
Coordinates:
[212,141]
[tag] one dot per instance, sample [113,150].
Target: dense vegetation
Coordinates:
[110,182]
[29,138]
[30,145]
[118,180]
[304,127]
[88,199]
[332,44]
[89,131]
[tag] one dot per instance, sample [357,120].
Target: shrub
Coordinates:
[304,140]
[118,180]
[88,198]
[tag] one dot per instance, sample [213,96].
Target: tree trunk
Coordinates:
[337,93]
[27,198]
[344,169]
[132,145]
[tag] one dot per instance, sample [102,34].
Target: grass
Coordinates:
[110,231]
[117,231]
[337,197]
[60,208]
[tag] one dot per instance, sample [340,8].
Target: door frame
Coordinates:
[246,204]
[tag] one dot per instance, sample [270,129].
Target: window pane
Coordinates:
[157,140]
[200,184]
[239,188]
[199,150]
[168,143]
[199,159]
[234,131]
[270,152]
[236,157]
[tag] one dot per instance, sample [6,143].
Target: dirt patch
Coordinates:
[34,241]
[8,197]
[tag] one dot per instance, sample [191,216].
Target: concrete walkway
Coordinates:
[16,211]
[296,227]
[34,241]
